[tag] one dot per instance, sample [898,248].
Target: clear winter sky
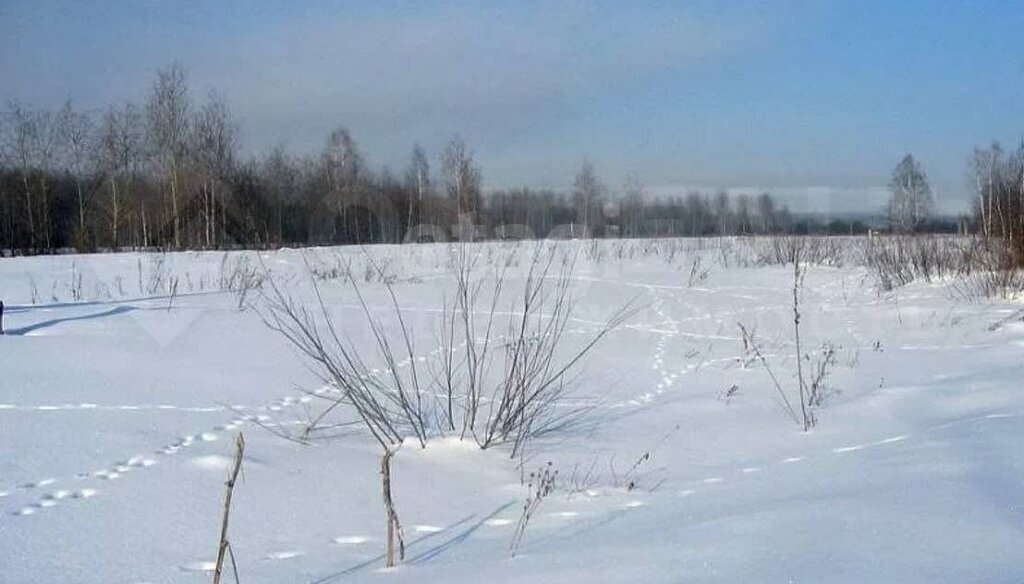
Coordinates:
[815,100]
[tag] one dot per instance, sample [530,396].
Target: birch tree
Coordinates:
[214,145]
[462,178]
[121,145]
[417,181]
[32,143]
[586,193]
[167,116]
[910,204]
[76,132]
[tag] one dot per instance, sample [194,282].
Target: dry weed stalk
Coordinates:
[224,547]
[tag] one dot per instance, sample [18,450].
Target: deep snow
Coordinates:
[118,406]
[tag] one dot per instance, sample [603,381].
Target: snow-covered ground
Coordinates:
[119,403]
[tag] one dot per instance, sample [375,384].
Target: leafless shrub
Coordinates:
[172,292]
[822,367]
[75,285]
[728,393]
[337,270]
[499,391]
[628,480]
[33,289]
[785,250]
[751,343]
[1006,283]
[698,272]
[811,395]
[240,277]
[378,271]
[522,379]
[582,480]
[1016,316]
[541,484]
[798,281]
[389,411]
[981,268]
[899,260]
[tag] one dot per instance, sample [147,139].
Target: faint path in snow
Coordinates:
[55,321]
[16,308]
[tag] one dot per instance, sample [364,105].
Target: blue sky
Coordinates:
[814,100]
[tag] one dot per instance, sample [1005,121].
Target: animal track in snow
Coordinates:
[51,500]
[203,566]
[427,529]
[213,462]
[283,555]
[351,540]
[853,448]
[564,514]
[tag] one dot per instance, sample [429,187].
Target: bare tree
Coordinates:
[343,162]
[698,212]
[281,176]
[7,205]
[462,178]
[22,131]
[723,213]
[343,169]
[911,202]
[417,180]
[121,145]
[999,180]
[213,148]
[33,142]
[76,132]
[633,197]
[167,116]
[766,212]
[743,222]
[587,192]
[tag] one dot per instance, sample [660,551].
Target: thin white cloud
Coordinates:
[454,67]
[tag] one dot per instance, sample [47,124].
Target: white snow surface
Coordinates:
[119,407]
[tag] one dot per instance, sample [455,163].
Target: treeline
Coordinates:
[999,204]
[167,173]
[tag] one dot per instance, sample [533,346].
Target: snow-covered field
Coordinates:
[119,404]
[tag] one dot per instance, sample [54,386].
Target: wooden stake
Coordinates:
[224,546]
[394,527]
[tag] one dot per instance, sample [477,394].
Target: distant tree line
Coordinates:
[998,178]
[167,173]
